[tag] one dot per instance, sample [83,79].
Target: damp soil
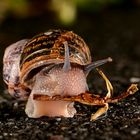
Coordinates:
[112,33]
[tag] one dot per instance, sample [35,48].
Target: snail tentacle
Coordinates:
[67,65]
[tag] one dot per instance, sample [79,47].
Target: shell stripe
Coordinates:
[48,48]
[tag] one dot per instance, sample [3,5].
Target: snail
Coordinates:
[50,71]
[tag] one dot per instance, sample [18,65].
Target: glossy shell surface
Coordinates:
[48,48]
[25,58]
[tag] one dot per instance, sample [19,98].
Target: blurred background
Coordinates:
[109,27]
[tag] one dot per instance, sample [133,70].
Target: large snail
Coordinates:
[50,72]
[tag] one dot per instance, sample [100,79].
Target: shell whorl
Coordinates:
[48,48]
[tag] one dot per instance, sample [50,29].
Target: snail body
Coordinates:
[54,63]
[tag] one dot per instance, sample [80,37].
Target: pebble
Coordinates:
[134,79]
[1,137]
[135,131]
[58,119]
[5,134]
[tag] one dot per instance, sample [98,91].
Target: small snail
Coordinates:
[50,70]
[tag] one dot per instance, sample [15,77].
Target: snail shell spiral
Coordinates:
[25,58]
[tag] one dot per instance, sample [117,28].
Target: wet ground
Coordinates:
[114,33]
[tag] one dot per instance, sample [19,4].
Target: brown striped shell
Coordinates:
[24,59]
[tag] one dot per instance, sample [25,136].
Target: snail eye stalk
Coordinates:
[67,65]
[89,67]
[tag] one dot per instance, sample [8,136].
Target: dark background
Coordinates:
[110,28]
